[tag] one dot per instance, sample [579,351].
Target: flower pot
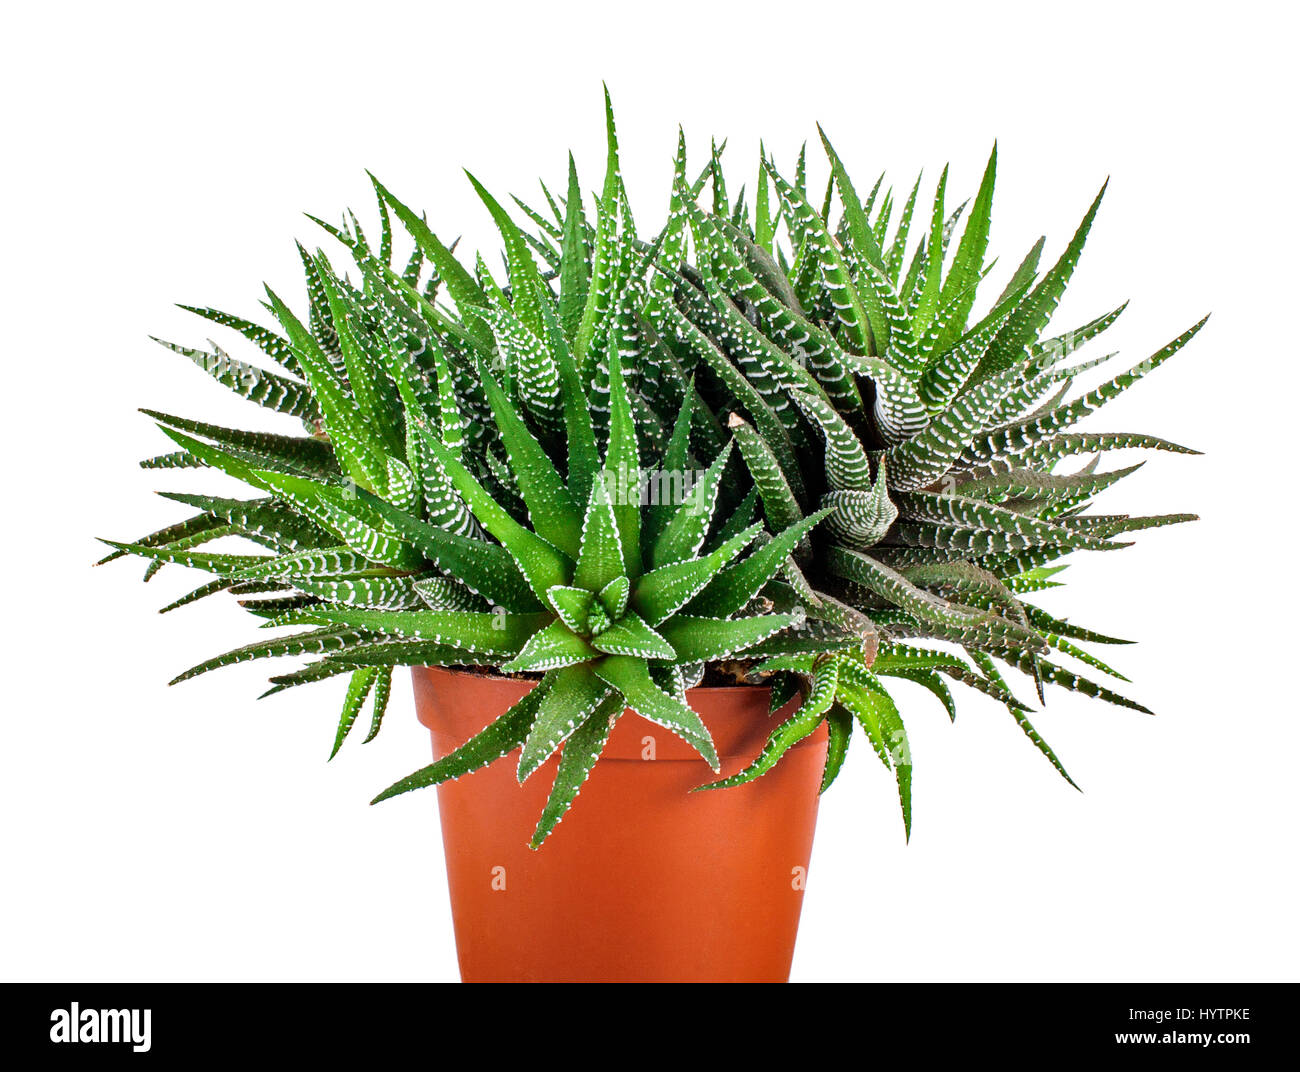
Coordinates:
[643,881]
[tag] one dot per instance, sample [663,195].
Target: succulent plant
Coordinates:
[423,522]
[633,458]
[930,435]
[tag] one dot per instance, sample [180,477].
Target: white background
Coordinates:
[160,154]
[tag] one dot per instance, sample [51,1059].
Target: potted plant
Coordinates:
[651,506]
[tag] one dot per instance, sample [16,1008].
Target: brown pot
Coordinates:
[643,881]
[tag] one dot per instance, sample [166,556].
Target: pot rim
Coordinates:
[530,681]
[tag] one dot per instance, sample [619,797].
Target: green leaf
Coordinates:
[575,271]
[224,564]
[897,250]
[554,515]
[1017,528]
[789,733]
[278,393]
[663,591]
[574,693]
[779,502]
[1046,622]
[486,568]
[383,690]
[464,291]
[488,633]
[1032,314]
[192,532]
[684,534]
[350,434]
[583,457]
[446,593]
[579,756]
[1025,274]
[948,370]
[891,328]
[202,592]
[730,589]
[861,238]
[551,648]
[701,639]
[317,642]
[630,635]
[775,438]
[870,703]
[604,256]
[541,562]
[524,277]
[275,347]
[808,227]
[314,562]
[573,605]
[921,461]
[894,587]
[614,596]
[630,676]
[1020,439]
[623,459]
[927,296]
[968,262]
[1072,682]
[764,225]
[359,687]
[600,557]
[840,725]
[271,523]
[528,363]
[500,737]
[373,593]
[847,464]
[375,394]
[346,513]
[391,653]
[927,679]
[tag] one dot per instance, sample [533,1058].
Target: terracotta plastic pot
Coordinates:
[643,881]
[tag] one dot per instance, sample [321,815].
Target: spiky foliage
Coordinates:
[861,380]
[486,487]
[877,462]
[862,376]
